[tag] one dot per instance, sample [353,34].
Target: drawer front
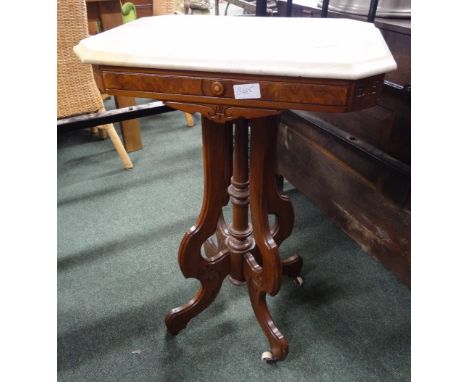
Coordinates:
[223,88]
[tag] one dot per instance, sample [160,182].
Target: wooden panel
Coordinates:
[144,11]
[276,92]
[363,197]
[400,46]
[92,10]
[377,169]
[366,92]
[144,7]
[152,83]
[110,14]
[372,125]
[270,90]
[386,126]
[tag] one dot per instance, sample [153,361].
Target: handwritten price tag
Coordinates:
[247,91]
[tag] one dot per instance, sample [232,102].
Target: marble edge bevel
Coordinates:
[345,71]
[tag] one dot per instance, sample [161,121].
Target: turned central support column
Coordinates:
[240,238]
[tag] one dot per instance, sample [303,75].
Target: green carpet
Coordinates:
[118,235]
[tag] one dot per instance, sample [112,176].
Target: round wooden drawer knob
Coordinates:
[217,88]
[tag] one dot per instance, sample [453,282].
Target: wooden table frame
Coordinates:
[239,166]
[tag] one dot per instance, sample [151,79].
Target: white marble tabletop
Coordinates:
[293,47]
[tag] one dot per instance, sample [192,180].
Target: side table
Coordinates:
[240,88]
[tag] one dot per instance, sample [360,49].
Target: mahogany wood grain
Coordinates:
[277,93]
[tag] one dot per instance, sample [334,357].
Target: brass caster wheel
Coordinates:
[267,357]
[298,281]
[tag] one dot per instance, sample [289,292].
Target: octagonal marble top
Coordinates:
[292,47]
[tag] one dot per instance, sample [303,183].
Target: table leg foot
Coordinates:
[298,281]
[292,266]
[211,280]
[278,343]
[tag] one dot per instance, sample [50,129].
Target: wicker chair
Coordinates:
[77,92]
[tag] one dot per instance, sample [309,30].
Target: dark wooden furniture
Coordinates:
[108,14]
[240,115]
[244,252]
[356,166]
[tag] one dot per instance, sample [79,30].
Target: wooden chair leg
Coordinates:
[130,129]
[119,147]
[102,132]
[189,119]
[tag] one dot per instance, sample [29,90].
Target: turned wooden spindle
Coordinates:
[240,240]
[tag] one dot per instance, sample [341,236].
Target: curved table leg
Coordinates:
[267,277]
[280,205]
[278,343]
[209,272]
[211,249]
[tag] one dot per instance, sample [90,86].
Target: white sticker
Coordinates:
[247,91]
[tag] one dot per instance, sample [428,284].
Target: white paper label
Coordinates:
[247,91]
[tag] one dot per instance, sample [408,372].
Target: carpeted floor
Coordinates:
[118,235]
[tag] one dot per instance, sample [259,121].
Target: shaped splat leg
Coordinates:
[213,249]
[210,272]
[211,278]
[264,278]
[280,205]
[210,247]
[278,343]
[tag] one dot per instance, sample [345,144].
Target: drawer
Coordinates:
[274,91]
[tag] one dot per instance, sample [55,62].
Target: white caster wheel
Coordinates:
[267,356]
[298,281]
